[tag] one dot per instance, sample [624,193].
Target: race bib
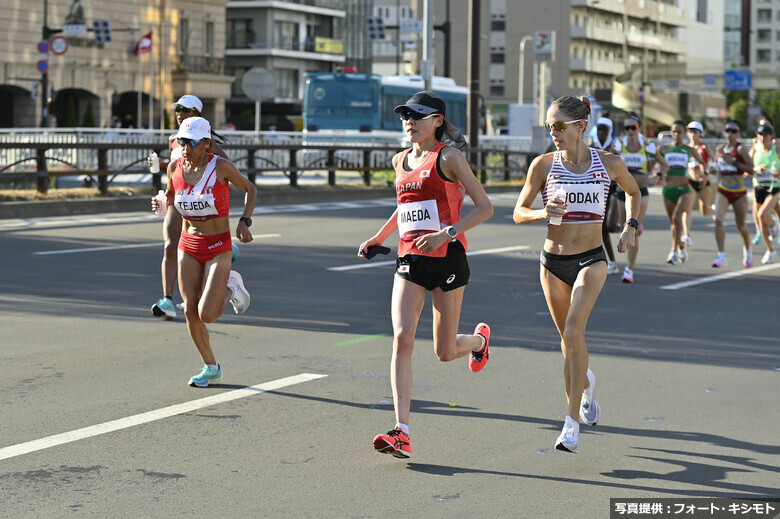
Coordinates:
[634,160]
[584,203]
[677,160]
[418,218]
[196,205]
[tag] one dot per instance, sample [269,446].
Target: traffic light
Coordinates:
[376,27]
[102,30]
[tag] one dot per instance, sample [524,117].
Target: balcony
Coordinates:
[186,64]
[597,33]
[597,66]
[317,48]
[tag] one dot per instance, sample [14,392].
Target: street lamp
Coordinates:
[521,66]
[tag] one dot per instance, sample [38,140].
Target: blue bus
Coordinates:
[365,102]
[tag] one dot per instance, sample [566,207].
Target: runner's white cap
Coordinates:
[194,128]
[696,125]
[189,101]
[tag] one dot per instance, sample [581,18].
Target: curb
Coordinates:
[48,208]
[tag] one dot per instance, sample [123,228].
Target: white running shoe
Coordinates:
[628,275]
[687,240]
[720,260]
[769,257]
[671,259]
[590,412]
[567,441]
[240,299]
[612,267]
[747,258]
[683,254]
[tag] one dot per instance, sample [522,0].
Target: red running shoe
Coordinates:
[395,442]
[478,359]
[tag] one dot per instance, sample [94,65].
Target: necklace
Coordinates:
[576,165]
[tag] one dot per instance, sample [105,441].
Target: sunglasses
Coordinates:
[416,116]
[192,143]
[731,130]
[630,128]
[180,108]
[692,130]
[559,126]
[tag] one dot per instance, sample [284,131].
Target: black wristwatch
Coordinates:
[247,221]
[632,223]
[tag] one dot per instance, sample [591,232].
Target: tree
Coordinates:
[71,119]
[738,111]
[89,117]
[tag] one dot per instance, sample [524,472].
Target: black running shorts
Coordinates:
[447,273]
[567,267]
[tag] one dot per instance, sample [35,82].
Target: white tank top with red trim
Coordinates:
[586,193]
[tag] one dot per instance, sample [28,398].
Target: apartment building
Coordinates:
[764,39]
[99,83]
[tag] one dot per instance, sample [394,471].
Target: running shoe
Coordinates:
[478,359]
[164,308]
[180,306]
[240,299]
[612,267]
[628,275]
[683,254]
[207,374]
[671,259]
[720,260]
[687,240]
[395,442]
[590,412]
[567,441]
[234,257]
[769,257]
[774,229]
[756,238]
[747,258]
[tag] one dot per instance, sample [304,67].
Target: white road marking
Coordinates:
[384,263]
[151,416]
[719,277]
[116,247]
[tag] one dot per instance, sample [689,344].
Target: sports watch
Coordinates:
[633,223]
[247,221]
[452,232]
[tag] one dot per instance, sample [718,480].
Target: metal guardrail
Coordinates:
[104,154]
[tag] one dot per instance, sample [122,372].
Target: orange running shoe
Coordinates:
[478,359]
[395,442]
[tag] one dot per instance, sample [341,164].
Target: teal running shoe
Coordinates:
[206,375]
[757,238]
[164,308]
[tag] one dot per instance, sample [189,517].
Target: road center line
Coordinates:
[384,263]
[151,416]
[117,247]
[719,277]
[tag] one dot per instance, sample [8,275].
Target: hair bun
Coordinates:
[586,102]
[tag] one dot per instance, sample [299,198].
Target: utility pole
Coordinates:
[475,7]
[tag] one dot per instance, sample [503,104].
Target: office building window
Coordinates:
[286,82]
[183,36]
[497,25]
[497,54]
[286,35]
[764,15]
[763,55]
[209,46]
[701,11]
[239,33]
[764,36]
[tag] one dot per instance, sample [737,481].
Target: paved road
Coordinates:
[97,419]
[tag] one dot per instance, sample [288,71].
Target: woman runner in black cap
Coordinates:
[430,181]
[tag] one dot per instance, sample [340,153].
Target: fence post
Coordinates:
[293,168]
[506,165]
[250,164]
[331,167]
[43,171]
[103,171]
[367,165]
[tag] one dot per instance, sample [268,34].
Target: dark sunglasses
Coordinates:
[731,130]
[630,128]
[192,143]
[560,126]
[416,116]
[180,108]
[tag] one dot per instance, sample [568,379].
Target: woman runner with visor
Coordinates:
[574,182]
[198,183]
[431,178]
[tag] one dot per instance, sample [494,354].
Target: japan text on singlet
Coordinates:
[586,193]
[427,202]
[208,199]
[636,161]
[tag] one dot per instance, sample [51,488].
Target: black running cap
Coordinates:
[765,129]
[424,102]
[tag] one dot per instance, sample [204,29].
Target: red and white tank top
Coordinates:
[427,202]
[727,169]
[586,193]
[207,199]
[175,150]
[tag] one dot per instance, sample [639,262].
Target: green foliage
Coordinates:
[738,111]
[769,101]
[71,118]
[89,117]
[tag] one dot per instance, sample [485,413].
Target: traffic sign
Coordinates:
[59,45]
[43,47]
[738,80]
[42,66]
[544,45]
[258,83]
[74,30]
